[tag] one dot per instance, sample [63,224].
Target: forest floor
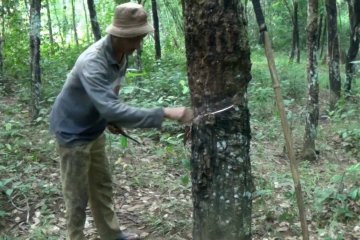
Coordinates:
[151,189]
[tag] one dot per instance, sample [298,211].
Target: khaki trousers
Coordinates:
[85,176]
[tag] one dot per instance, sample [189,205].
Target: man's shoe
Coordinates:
[128,236]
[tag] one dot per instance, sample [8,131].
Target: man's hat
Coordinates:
[130,20]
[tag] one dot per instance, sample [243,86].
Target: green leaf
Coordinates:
[8,146]
[8,126]
[354,168]
[186,163]
[134,74]
[9,191]
[355,194]
[124,141]
[128,89]
[185,179]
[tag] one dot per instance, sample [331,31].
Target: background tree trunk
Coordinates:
[51,37]
[35,27]
[2,40]
[86,22]
[296,31]
[65,23]
[312,115]
[219,67]
[354,15]
[324,38]
[93,19]
[295,45]
[60,26]
[333,53]
[74,23]
[318,40]
[156,30]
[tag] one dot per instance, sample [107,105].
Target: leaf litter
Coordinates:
[149,198]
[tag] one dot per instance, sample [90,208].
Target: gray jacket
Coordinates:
[87,101]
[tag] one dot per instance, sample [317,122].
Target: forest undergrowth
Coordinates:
[152,186]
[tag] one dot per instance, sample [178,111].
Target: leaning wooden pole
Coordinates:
[285,125]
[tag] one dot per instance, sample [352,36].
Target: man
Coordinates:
[83,109]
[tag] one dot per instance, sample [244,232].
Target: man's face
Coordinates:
[129,45]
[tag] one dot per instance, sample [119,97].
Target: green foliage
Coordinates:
[337,201]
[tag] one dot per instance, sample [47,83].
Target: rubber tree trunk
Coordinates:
[295,49]
[49,22]
[65,23]
[218,59]
[1,58]
[333,53]
[156,29]
[312,114]
[93,19]
[2,40]
[354,15]
[59,25]
[139,51]
[324,38]
[86,22]
[35,27]
[74,23]
[318,40]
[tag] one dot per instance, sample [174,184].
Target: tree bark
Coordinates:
[74,23]
[156,30]
[51,37]
[60,26]
[218,56]
[321,19]
[2,40]
[333,53]
[354,15]
[65,24]
[324,38]
[86,22]
[35,27]
[93,19]
[312,115]
[295,50]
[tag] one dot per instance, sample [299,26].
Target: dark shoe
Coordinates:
[128,236]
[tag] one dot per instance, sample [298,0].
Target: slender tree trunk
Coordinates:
[1,58]
[296,30]
[156,30]
[74,23]
[35,27]
[333,53]
[139,51]
[60,26]
[51,37]
[93,19]
[218,55]
[354,15]
[138,58]
[318,40]
[312,115]
[324,38]
[65,24]
[295,49]
[2,40]
[86,22]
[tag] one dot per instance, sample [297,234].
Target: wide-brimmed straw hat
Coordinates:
[130,20]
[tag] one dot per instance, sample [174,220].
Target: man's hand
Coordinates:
[181,114]
[114,129]
[118,130]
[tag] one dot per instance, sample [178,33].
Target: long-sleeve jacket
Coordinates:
[87,101]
